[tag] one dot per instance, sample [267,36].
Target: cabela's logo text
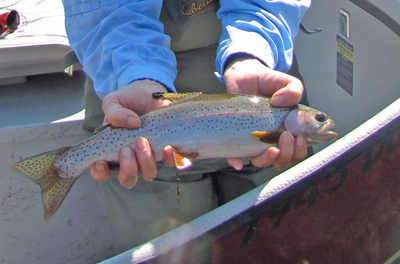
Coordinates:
[188,10]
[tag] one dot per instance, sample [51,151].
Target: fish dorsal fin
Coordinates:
[100,128]
[183,161]
[176,98]
[267,137]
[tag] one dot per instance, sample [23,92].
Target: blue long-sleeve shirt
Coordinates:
[118,42]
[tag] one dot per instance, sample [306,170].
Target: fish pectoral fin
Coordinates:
[176,98]
[183,161]
[267,137]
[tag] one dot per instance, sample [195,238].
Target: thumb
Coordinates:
[117,115]
[123,107]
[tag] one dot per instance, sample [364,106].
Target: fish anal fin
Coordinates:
[267,137]
[41,170]
[183,161]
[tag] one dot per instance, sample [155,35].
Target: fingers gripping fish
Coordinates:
[196,125]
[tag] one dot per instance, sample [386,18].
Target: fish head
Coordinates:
[311,124]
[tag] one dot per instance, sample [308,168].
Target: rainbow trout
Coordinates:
[196,125]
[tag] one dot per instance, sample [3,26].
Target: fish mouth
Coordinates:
[329,135]
[323,134]
[325,128]
[321,137]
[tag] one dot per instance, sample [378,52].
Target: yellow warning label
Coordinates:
[344,68]
[345,51]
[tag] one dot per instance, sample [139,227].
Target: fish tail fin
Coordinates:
[40,169]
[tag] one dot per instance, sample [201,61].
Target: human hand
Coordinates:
[122,108]
[247,75]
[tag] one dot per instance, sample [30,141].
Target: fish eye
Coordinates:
[320,117]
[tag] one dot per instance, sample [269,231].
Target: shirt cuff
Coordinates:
[244,42]
[133,74]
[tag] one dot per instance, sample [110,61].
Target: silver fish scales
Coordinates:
[197,125]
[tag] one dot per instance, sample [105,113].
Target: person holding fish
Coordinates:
[131,49]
